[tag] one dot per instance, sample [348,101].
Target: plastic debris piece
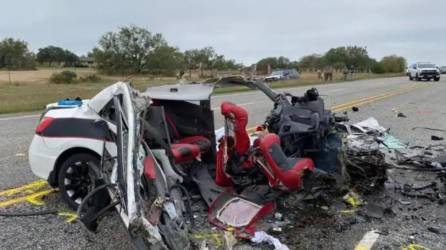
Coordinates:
[278,216]
[401,114]
[70,216]
[355,109]
[215,238]
[353,199]
[203,245]
[370,123]
[392,142]
[403,202]
[434,230]
[436,138]
[368,240]
[415,247]
[276,229]
[263,237]
[229,240]
[348,211]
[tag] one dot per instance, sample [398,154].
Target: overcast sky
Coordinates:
[246,30]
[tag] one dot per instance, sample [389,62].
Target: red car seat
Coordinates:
[279,169]
[183,148]
[236,119]
[235,143]
[189,148]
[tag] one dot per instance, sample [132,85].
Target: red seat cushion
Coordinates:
[285,171]
[202,142]
[190,148]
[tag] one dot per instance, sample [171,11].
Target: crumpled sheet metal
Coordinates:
[432,156]
[365,161]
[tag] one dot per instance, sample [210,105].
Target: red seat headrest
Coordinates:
[239,116]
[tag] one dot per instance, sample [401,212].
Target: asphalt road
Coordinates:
[423,107]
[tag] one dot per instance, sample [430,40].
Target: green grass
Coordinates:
[28,96]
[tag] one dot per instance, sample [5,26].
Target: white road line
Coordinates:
[368,240]
[18,117]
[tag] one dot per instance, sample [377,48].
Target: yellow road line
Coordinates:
[70,216]
[362,101]
[359,102]
[34,198]
[28,188]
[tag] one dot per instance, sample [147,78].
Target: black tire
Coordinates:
[417,78]
[76,177]
[410,77]
[437,79]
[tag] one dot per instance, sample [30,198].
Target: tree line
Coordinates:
[135,50]
[338,59]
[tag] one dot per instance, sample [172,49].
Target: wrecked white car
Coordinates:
[136,152]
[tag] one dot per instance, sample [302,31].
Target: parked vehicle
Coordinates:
[424,70]
[283,74]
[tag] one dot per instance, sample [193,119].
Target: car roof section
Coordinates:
[181,92]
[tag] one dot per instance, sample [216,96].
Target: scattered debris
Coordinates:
[229,240]
[215,238]
[353,199]
[432,129]
[278,216]
[434,230]
[436,138]
[373,210]
[263,237]
[324,157]
[404,202]
[398,113]
[415,247]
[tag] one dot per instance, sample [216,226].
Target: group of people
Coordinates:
[327,74]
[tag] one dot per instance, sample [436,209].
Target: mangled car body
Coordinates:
[143,154]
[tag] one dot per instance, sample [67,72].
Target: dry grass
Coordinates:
[31,90]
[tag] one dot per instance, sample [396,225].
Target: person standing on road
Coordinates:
[328,74]
[345,72]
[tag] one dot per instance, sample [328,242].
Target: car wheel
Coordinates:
[76,178]
[410,77]
[417,77]
[437,79]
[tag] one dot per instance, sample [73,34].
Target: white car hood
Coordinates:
[428,69]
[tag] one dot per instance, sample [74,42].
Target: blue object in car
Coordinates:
[69,102]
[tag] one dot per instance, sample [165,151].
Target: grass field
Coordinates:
[22,91]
